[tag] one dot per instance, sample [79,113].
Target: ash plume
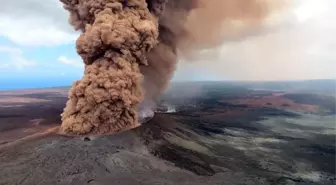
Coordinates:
[131,47]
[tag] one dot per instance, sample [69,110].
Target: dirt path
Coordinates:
[35,135]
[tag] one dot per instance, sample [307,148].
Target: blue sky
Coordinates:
[37,47]
[38,66]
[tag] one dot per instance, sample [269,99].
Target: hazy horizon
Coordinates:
[61,83]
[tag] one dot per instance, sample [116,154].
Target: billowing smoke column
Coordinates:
[130,50]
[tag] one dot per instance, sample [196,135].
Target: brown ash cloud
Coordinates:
[131,47]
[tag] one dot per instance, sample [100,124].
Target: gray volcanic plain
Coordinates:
[203,133]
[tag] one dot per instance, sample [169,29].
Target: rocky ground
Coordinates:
[221,136]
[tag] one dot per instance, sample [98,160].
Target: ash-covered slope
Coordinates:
[119,159]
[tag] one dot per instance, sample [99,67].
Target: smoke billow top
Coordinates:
[130,50]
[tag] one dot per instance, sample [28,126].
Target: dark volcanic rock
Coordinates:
[206,141]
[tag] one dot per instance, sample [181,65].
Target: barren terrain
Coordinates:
[219,135]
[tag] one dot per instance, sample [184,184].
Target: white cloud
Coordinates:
[72,62]
[310,9]
[17,60]
[10,50]
[35,23]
